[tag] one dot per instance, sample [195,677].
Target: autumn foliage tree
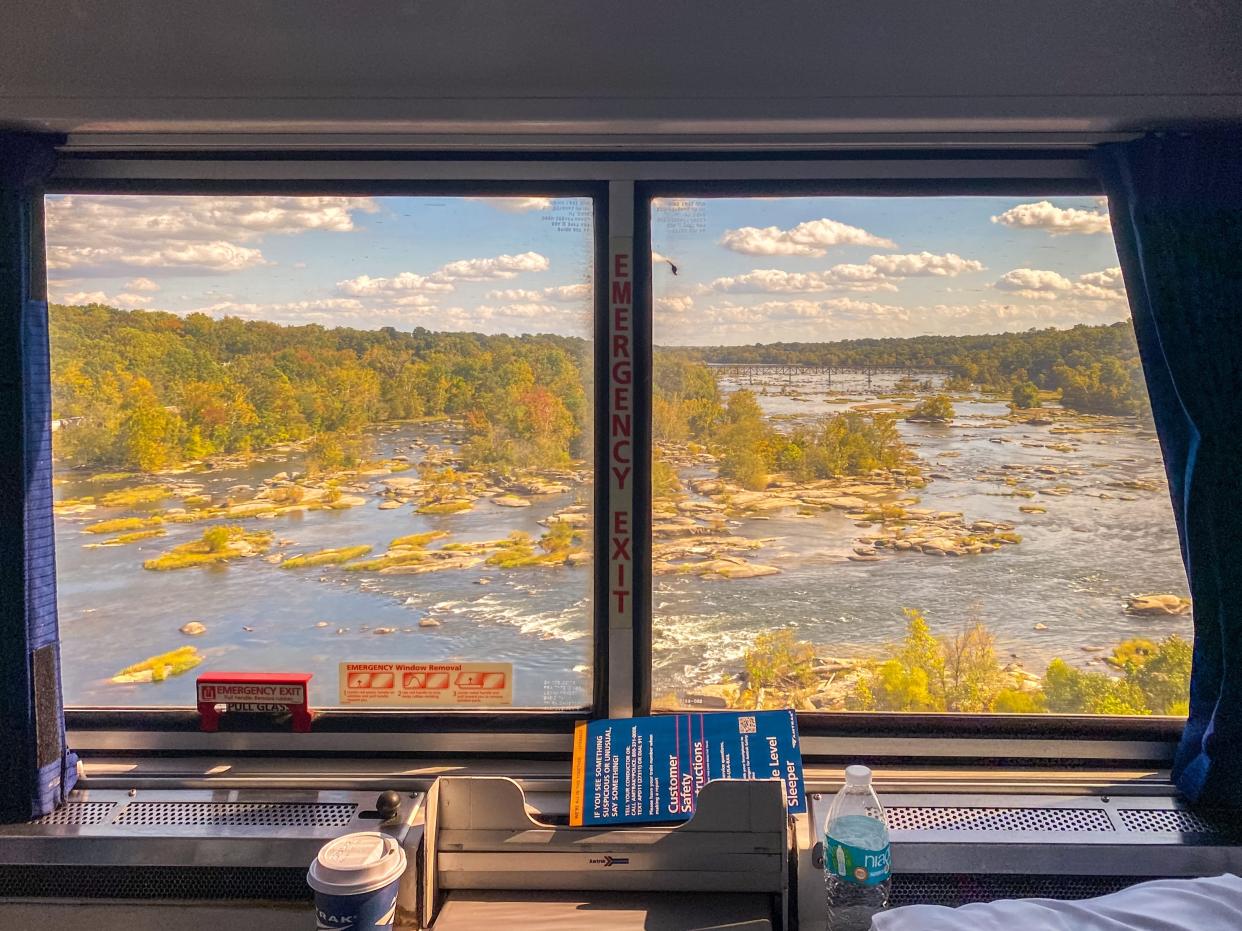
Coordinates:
[147,390]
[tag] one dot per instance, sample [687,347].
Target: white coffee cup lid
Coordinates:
[356,863]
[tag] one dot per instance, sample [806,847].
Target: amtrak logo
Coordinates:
[329,922]
[334,922]
[609,861]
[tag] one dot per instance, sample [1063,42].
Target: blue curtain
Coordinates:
[36,768]
[1176,206]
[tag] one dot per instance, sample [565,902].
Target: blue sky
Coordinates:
[497,265]
[769,269]
[749,269]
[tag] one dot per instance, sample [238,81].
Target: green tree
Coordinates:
[1163,678]
[1025,395]
[936,409]
[218,538]
[148,430]
[777,659]
[743,440]
[848,443]
[558,538]
[973,675]
[1013,701]
[664,480]
[1068,691]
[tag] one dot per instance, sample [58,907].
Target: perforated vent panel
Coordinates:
[280,884]
[1147,821]
[79,813]
[998,819]
[249,814]
[954,889]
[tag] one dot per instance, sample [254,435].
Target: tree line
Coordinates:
[1096,368]
[963,672]
[145,390]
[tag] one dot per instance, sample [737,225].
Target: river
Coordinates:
[1072,572]
[114,613]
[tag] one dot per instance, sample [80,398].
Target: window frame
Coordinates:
[620,176]
[100,727]
[958,733]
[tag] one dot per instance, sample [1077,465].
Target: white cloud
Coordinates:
[813,237]
[836,308]
[1058,221]
[919,264]
[365,285]
[412,300]
[516,204]
[104,233]
[564,293]
[99,297]
[82,297]
[514,294]
[776,280]
[568,293]
[410,289]
[1033,279]
[674,304]
[162,217]
[524,309]
[141,284]
[513,318]
[1109,278]
[217,256]
[333,311]
[877,274]
[1103,285]
[501,266]
[801,319]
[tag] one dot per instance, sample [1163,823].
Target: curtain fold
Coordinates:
[1176,207]
[36,768]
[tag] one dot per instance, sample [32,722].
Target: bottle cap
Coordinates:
[857,776]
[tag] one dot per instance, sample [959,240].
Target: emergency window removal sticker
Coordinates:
[439,685]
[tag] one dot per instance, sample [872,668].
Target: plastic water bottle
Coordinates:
[856,861]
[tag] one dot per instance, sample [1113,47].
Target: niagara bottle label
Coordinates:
[858,865]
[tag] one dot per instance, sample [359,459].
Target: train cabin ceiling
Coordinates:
[479,72]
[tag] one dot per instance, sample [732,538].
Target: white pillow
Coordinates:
[1209,904]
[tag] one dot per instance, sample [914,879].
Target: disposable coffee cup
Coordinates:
[355,879]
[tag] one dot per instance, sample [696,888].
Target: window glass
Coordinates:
[904,461]
[294,432]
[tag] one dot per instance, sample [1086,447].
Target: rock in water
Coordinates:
[1041,626]
[1158,605]
[511,501]
[193,628]
[428,622]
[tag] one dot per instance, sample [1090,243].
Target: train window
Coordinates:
[294,432]
[903,460]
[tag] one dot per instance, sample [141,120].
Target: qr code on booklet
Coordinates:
[746,724]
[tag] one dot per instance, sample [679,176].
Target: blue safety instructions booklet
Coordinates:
[630,770]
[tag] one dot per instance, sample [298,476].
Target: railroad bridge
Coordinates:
[767,371]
